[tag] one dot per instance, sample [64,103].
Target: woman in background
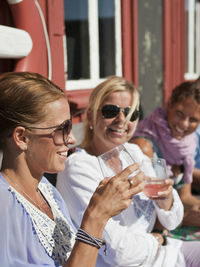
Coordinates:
[169,133]
[131,237]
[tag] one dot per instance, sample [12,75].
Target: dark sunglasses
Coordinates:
[61,133]
[111,111]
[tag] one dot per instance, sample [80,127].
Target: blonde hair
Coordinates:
[99,94]
[23,99]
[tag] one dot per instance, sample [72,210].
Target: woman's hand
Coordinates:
[159,238]
[115,194]
[165,200]
[177,169]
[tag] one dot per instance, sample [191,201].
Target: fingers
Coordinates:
[115,193]
[127,172]
[166,193]
[169,181]
[131,185]
[104,181]
[137,188]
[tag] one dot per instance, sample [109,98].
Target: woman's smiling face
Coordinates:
[111,132]
[183,117]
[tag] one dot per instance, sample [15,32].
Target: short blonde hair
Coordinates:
[100,93]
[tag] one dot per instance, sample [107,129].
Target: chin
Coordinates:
[178,137]
[57,169]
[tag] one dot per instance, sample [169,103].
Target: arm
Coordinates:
[196,179]
[125,245]
[186,196]
[144,145]
[172,217]
[108,200]
[192,206]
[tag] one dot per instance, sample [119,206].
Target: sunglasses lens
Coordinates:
[135,115]
[61,134]
[67,127]
[66,130]
[110,111]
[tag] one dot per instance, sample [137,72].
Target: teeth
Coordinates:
[179,130]
[119,130]
[63,153]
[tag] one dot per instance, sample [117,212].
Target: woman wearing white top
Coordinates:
[111,119]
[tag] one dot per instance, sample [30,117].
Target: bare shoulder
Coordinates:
[144,144]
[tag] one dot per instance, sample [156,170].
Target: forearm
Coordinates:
[187,198]
[190,201]
[196,177]
[83,254]
[170,219]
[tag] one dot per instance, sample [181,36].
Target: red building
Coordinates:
[77,43]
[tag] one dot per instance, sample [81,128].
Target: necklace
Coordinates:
[36,204]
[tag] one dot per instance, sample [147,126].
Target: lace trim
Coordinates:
[57,237]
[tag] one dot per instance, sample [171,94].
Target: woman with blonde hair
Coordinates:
[111,119]
[101,92]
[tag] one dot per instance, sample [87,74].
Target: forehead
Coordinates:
[121,98]
[57,112]
[188,106]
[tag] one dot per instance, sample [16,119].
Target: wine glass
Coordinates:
[156,171]
[114,161]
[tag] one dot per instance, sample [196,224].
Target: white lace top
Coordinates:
[57,237]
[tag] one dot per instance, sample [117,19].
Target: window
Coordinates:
[193,39]
[93,34]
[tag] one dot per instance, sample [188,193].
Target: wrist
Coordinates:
[93,222]
[161,237]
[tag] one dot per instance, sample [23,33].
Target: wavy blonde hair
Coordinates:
[99,94]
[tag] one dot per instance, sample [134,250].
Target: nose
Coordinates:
[121,114]
[185,123]
[71,139]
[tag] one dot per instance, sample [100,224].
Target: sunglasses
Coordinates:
[61,133]
[111,111]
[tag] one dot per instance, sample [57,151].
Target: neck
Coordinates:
[15,165]
[33,196]
[96,148]
[23,179]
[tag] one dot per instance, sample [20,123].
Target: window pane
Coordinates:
[150,53]
[106,37]
[193,37]
[76,26]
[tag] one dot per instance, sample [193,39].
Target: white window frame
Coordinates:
[193,40]
[94,48]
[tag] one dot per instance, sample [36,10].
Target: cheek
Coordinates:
[171,119]
[102,125]
[193,127]
[41,148]
[131,128]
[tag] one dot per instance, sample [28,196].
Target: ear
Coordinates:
[168,104]
[90,117]
[20,138]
